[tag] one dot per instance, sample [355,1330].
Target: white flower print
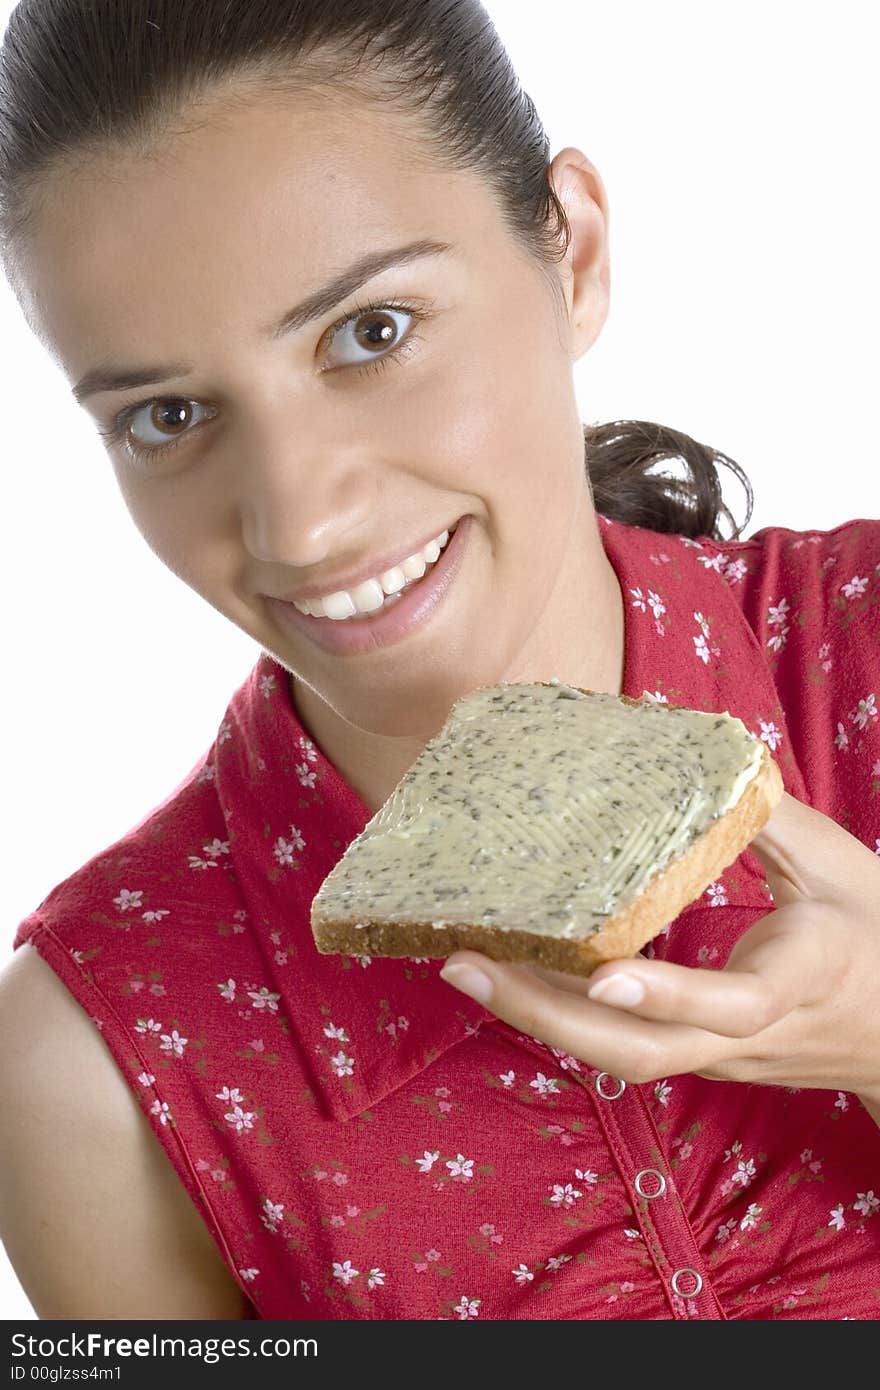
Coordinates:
[855,588]
[733,1151]
[867,1203]
[751,1217]
[128,899]
[556,1262]
[240,1119]
[284,850]
[777,614]
[865,710]
[662,1092]
[726,1231]
[691,545]
[344,1272]
[308,749]
[632,1234]
[639,600]
[467,1308]
[841,738]
[824,650]
[215,848]
[543,1086]
[234,1095]
[838,1221]
[306,775]
[267,686]
[147,1025]
[656,696]
[702,649]
[248,1274]
[173,1042]
[564,1195]
[745,1171]
[461,1167]
[523,1274]
[566,1062]
[713,562]
[264,999]
[161,1109]
[770,734]
[375,1277]
[156,915]
[425,1164]
[586,1175]
[196,863]
[342,1064]
[146,1078]
[656,604]
[777,642]
[507,1077]
[735,571]
[331,1031]
[716,894]
[227,991]
[273,1212]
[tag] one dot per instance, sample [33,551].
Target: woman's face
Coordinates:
[291,465]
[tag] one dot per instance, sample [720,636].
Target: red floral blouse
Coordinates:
[362,1140]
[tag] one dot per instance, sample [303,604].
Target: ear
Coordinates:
[586,270]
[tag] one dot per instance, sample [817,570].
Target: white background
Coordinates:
[738,148]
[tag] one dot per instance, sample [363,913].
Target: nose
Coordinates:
[299,503]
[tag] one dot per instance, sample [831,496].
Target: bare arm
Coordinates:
[95,1220]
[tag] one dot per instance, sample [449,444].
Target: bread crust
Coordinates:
[667,894]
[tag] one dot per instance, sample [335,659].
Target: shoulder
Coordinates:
[93,1217]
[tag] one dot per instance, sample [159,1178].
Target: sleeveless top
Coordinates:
[362,1140]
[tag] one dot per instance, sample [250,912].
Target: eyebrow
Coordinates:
[106,377]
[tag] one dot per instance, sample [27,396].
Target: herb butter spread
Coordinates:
[540,808]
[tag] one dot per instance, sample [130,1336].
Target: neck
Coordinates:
[579,638]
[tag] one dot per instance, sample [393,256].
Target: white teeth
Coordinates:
[371,595]
[415,566]
[392,581]
[338,605]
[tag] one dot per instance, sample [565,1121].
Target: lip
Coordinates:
[351,636]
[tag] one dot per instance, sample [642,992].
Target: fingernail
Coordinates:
[623,991]
[469,981]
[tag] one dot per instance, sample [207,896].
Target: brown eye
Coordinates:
[162,422]
[369,334]
[168,416]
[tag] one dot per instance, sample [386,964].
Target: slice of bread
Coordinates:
[549,824]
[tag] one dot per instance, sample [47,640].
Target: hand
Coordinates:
[798,1003]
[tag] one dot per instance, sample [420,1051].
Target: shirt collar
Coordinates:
[366,1026]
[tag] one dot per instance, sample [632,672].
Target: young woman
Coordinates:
[364,449]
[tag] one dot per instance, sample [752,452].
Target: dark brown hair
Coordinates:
[77,76]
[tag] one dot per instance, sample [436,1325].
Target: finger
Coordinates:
[783,962]
[806,854]
[633,1048]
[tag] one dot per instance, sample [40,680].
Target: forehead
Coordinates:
[242,203]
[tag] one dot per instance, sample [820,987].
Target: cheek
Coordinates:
[182,531]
